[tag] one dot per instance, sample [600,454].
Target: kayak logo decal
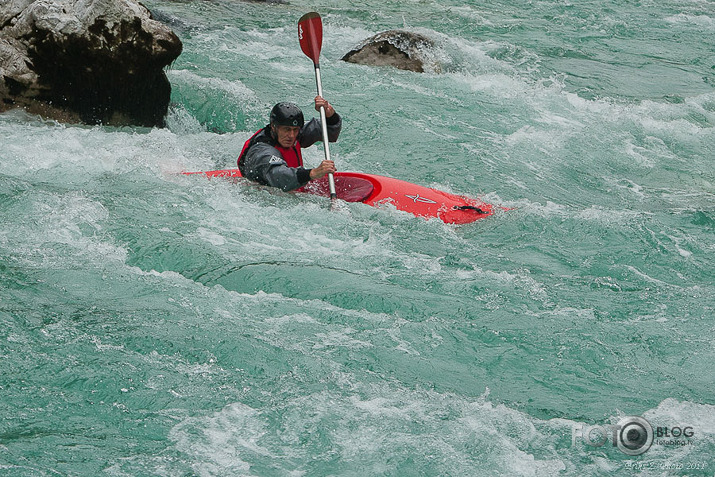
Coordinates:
[300,32]
[416,198]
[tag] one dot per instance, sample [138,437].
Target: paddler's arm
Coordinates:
[324,168]
[312,132]
[265,165]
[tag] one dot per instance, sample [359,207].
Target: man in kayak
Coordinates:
[272,155]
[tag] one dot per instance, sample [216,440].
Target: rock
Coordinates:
[401,49]
[98,62]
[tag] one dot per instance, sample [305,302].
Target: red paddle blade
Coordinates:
[310,35]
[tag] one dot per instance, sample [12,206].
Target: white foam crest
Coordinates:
[672,412]
[659,119]
[551,209]
[547,141]
[650,279]
[466,56]
[547,210]
[677,452]
[56,223]
[559,121]
[266,35]
[403,345]
[681,128]
[235,88]
[295,319]
[259,50]
[345,38]
[248,225]
[303,333]
[640,154]
[498,85]
[609,216]
[223,443]
[628,185]
[704,21]
[438,430]
[167,274]
[340,338]
[476,17]
[80,152]
[680,242]
[210,236]
[419,89]
[489,275]
[580,314]
[446,424]
[180,121]
[521,280]
[273,42]
[48,144]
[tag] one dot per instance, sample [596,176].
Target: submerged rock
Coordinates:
[95,62]
[401,49]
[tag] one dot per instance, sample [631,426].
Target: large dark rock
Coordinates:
[402,49]
[95,62]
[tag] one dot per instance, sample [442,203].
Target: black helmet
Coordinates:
[287,114]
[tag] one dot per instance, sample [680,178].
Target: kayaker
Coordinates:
[272,156]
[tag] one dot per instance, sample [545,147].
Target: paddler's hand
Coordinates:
[324,168]
[320,102]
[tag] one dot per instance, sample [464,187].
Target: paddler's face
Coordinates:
[286,135]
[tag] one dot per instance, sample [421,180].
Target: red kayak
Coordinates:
[379,190]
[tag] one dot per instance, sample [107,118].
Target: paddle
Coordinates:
[310,35]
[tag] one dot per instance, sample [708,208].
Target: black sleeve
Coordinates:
[303,175]
[333,120]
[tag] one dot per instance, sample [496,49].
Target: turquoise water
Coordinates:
[158,324]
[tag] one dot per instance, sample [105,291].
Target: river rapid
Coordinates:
[159,324]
